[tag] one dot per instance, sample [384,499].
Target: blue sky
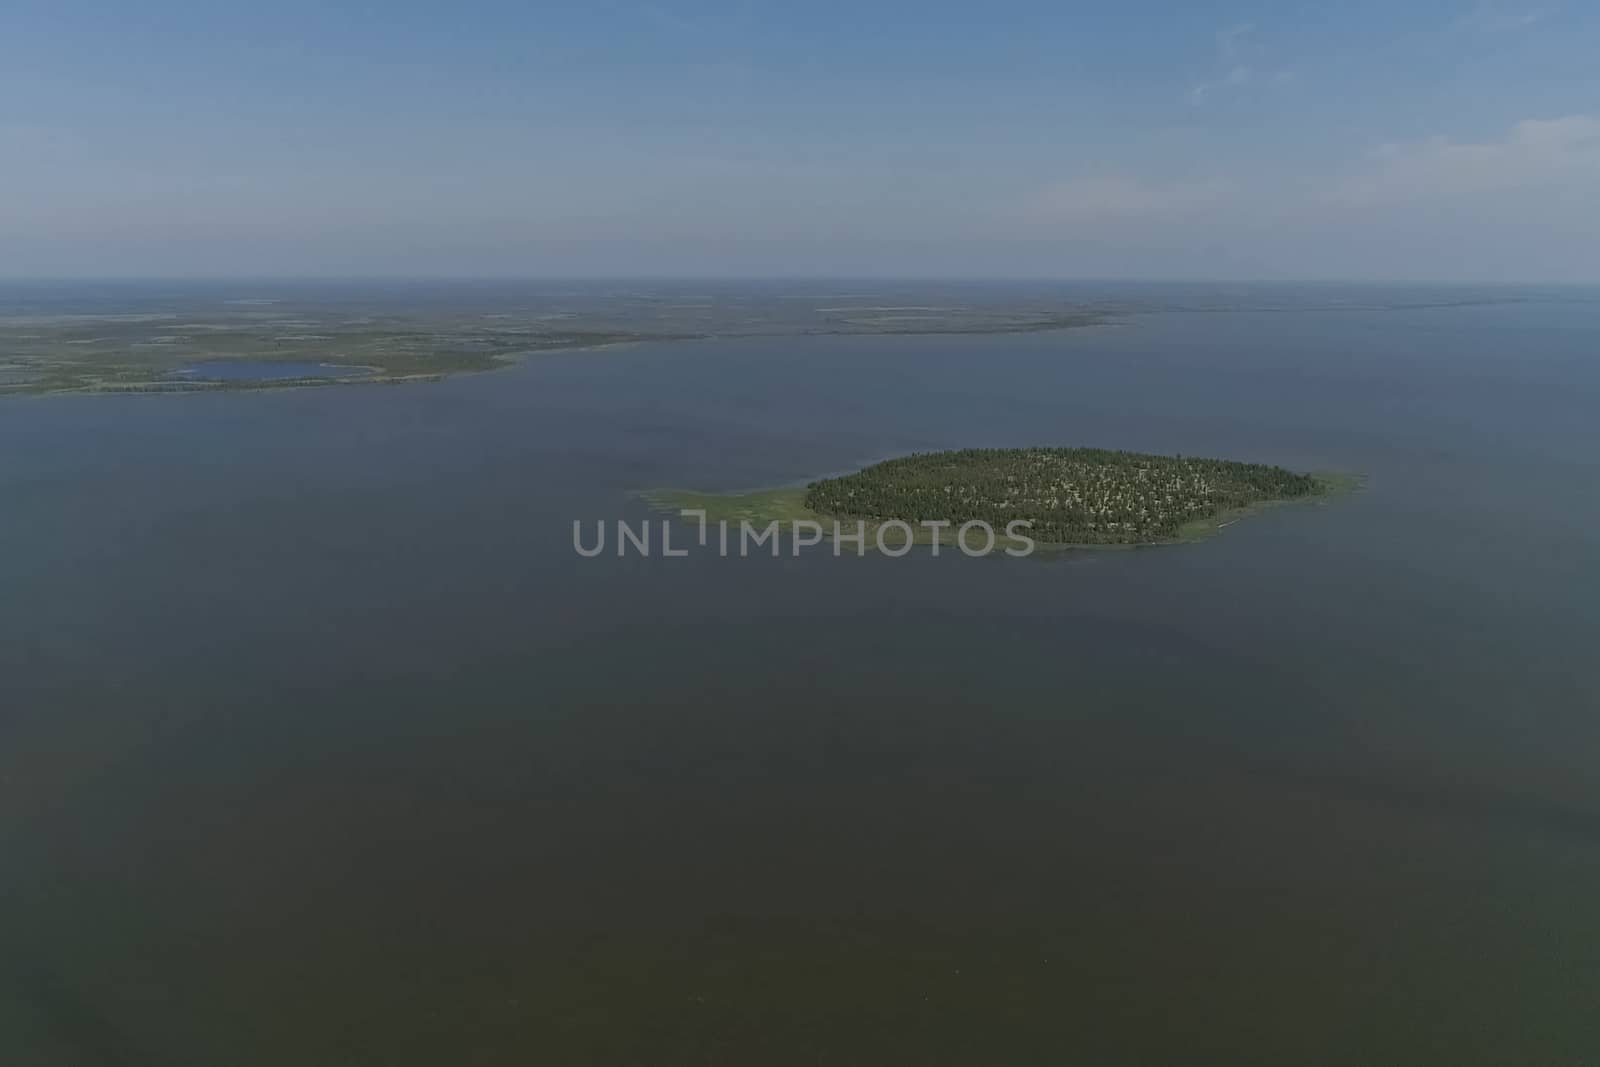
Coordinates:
[1424,140]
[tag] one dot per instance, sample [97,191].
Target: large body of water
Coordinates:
[319,745]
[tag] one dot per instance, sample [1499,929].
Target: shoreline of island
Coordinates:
[798,504]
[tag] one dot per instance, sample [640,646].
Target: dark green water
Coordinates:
[319,745]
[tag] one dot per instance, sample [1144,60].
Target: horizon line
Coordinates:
[58,279]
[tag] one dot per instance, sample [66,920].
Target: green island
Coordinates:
[1073,497]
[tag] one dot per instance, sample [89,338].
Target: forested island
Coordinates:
[1070,496]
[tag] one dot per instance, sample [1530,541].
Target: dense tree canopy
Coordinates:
[1071,495]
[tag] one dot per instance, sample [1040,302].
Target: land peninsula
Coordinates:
[1069,497]
[193,340]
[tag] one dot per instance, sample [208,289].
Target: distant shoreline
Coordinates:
[70,367]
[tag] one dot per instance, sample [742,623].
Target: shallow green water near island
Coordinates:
[319,744]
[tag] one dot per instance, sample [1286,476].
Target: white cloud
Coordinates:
[1517,205]
[1535,156]
[1235,48]
[1233,40]
[1236,76]
[1492,17]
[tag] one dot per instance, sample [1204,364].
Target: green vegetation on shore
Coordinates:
[178,344]
[1070,496]
[166,354]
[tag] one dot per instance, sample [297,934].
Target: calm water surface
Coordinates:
[319,745]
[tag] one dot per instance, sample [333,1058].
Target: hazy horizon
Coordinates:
[220,277]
